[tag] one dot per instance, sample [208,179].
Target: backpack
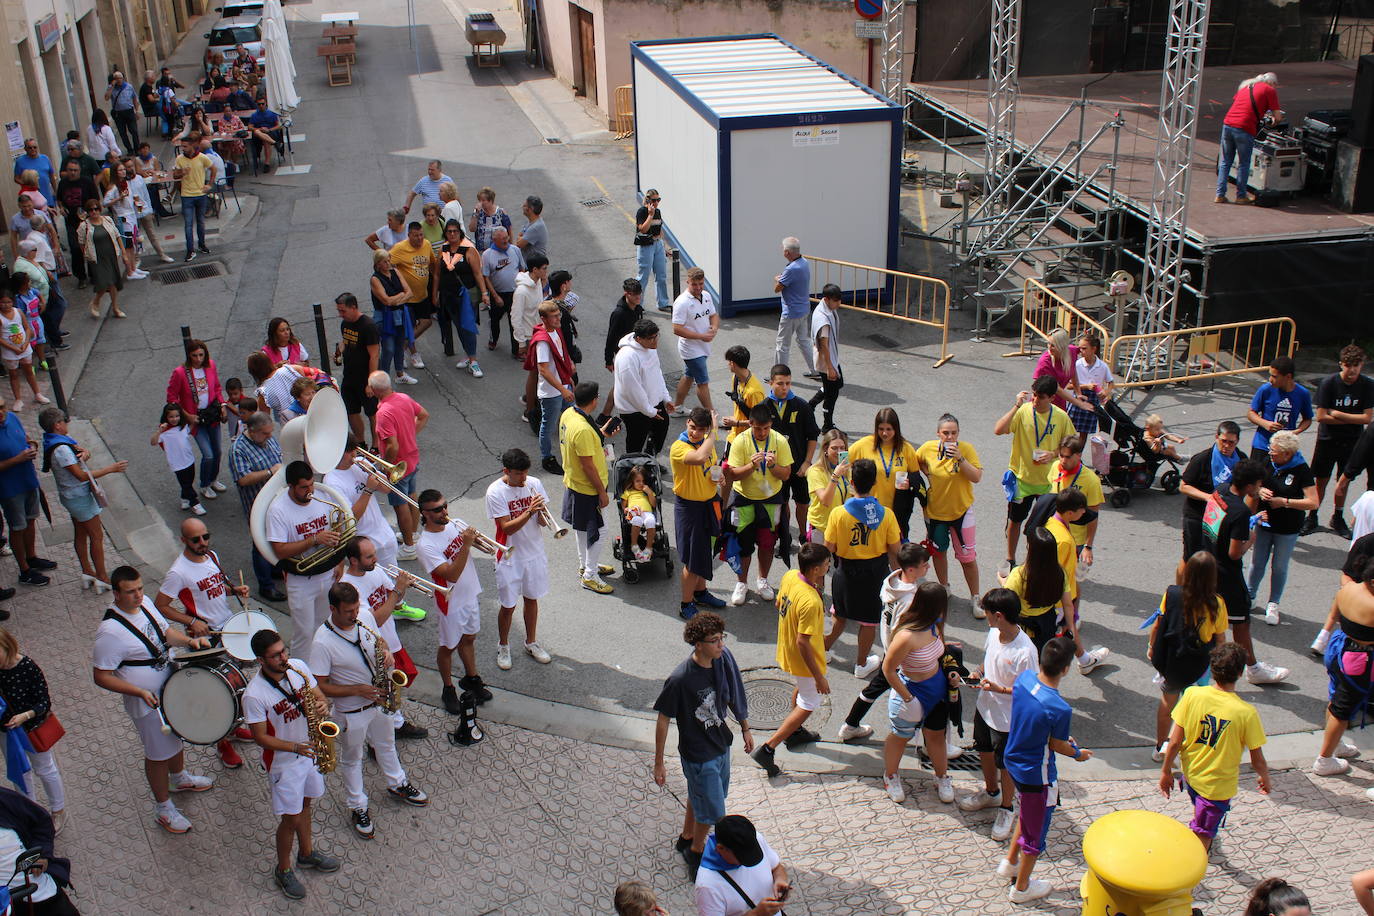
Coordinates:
[1175,648]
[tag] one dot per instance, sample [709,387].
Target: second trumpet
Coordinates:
[424,586]
[552,523]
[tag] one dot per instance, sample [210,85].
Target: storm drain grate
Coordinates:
[967,762]
[553,140]
[186,274]
[594,202]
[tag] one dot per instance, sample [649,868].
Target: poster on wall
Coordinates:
[815,136]
[15,135]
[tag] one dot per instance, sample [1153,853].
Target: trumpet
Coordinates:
[424,586]
[387,471]
[559,531]
[488,546]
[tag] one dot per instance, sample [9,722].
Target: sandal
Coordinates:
[95,311]
[118,313]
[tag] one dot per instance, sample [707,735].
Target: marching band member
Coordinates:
[130,645]
[297,523]
[444,547]
[273,707]
[363,489]
[513,502]
[197,580]
[344,661]
[383,596]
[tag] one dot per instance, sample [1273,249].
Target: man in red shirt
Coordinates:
[1254,99]
[398,423]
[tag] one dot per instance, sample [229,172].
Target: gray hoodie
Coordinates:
[897,596]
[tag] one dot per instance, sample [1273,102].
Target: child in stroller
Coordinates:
[1135,461]
[639,502]
[625,471]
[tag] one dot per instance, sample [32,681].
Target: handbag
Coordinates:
[208,416]
[47,733]
[97,491]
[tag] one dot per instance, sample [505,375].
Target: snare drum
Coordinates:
[202,700]
[237,634]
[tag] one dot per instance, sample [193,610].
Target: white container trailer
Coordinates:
[750,139]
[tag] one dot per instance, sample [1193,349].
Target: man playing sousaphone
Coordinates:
[274,706]
[297,527]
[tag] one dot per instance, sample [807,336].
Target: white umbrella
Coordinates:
[272,10]
[281,87]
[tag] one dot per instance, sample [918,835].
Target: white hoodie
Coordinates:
[897,597]
[639,385]
[524,310]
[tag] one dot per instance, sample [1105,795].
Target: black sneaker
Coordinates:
[190,256]
[202,249]
[763,755]
[551,465]
[478,689]
[683,844]
[6,594]
[1339,526]
[409,794]
[30,577]
[693,863]
[800,737]
[290,885]
[1309,524]
[41,563]
[450,698]
[60,346]
[362,823]
[410,731]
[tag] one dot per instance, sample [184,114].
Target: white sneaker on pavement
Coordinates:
[1157,755]
[405,378]
[405,552]
[980,800]
[463,364]
[944,788]
[40,399]
[1265,673]
[173,821]
[197,509]
[1318,647]
[191,782]
[1347,748]
[893,785]
[1035,890]
[476,370]
[1002,824]
[1093,659]
[849,732]
[503,657]
[208,493]
[953,750]
[739,595]
[1005,869]
[864,671]
[978,612]
[166,258]
[536,652]
[415,361]
[218,487]
[764,590]
[1271,614]
[1329,766]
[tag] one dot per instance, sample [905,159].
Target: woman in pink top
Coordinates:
[282,345]
[195,388]
[1057,361]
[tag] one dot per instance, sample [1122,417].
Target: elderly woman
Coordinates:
[230,123]
[76,491]
[486,219]
[388,236]
[1289,490]
[100,247]
[195,388]
[432,226]
[453,206]
[1058,362]
[390,293]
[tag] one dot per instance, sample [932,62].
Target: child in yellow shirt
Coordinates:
[640,502]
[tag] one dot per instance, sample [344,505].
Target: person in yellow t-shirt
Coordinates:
[640,503]
[828,483]
[1042,587]
[1069,506]
[1069,472]
[952,467]
[863,536]
[583,447]
[196,173]
[696,516]
[801,651]
[1036,427]
[413,257]
[1212,726]
[757,466]
[746,391]
[898,466]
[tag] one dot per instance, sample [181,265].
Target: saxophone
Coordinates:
[322,731]
[388,681]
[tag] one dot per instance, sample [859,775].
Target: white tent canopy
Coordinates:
[281,83]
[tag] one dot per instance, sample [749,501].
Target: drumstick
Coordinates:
[237,595]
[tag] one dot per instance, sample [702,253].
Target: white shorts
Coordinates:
[644,520]
[157,746]
[522,577]
[808,697]
[292,782]
[461,620]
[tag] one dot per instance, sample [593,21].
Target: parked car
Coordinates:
[236,9]
[227,33]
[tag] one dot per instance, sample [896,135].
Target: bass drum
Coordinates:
[237,635]
[203,702]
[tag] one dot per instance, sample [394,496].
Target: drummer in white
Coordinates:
[444,551]
[343,659]
[382,595]
[197,580]
[298,524]
[513,502]
[273,708]
[128,658]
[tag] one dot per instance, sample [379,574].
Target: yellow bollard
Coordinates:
[1140,864]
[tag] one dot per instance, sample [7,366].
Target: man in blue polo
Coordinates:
[124,107]
[19,498]
[267,133]
[427,188]
[793,287]
[33,159]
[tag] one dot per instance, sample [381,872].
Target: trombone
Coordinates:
[386,470]
[424,586]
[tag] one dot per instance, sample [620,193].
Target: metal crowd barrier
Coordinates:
[889,293]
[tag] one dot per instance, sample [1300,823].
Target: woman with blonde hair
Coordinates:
[635,898]
[1058,362]
[828,483]
[1255,98]
[452,203]
[27,705]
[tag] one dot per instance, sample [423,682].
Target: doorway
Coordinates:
[584,52]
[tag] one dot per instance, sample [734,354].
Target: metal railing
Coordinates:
[1206,352]
[888,293]
[1043,311]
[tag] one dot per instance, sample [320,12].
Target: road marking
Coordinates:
[614,203]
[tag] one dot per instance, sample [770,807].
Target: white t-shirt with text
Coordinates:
[201,588]
[434,549]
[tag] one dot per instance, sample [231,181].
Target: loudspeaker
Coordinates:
[1352,181]
[1362,128]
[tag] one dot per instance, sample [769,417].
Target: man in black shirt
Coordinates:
[1229,529]
[628,309]
[796,421]
[357,353]
[72,192]
[1206,470]
[1345,405]
[649,248]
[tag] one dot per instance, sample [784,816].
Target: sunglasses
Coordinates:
[199,537]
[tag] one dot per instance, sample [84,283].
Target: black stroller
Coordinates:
[622,549]
[1133,463]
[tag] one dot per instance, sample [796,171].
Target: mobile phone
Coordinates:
[613,425]
[782,895]
[844,456]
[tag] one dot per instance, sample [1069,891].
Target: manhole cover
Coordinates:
[770,700]
[967,762]
[186,274]
[595,202]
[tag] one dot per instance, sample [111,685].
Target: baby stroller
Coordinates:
[1133,463]
[622,549]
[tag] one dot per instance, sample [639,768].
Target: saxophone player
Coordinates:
[274,708]
[298,524]
[344,660]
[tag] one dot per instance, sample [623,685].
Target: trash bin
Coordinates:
[1140,863]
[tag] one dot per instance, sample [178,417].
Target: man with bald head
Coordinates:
[396,427]
[500,263]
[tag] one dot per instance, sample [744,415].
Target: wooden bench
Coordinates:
[340,57]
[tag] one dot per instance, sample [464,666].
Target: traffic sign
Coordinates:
[869,9]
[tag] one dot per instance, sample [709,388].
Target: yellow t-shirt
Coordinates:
[817,479]
[799,613]
[414,264]
[194,180]
[1032,432]
[751,393]
[1067,551]
[1210,627]
[577,437]
[636,499]
[856,541]
[951,493]
[1085,479]
[760,484]
[692,481]
[1217,726]
[1016,581]
[888,464]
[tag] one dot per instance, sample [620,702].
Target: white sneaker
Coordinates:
[830,656]
[1002,824]
[1347,748]
[218,487]
[406,552]
[978,612]
[38,398]
[764,590]
[1271,614]
[185,504]
[1329,766]
[476,370]
[405,378]
[537,653]
[503,657]
[739,595]
[865,671]
[1318,646]
[1265,673]
[173,821]
[1157,680]
[1035,890]
[197,509]
[1093,659]
[463,364]
[893,785]
[1006,869]
[192,782]
[849,732]
[1157,755]
[980,800]
[944,788]
[414,361]
[17,405]
[953,750]
[166,258]
[208,493]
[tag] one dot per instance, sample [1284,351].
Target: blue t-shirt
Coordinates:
[22,477]
[428,188]
[1284,406]
[1038,713]
[796,289]
[266,118]
[43,166]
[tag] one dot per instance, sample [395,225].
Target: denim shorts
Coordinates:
[708,783]
[82,507]
[407,485]
[20,510]
[695,369]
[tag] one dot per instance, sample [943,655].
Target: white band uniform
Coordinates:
[459,611]
[292,777]
[525,572]
[307,596]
